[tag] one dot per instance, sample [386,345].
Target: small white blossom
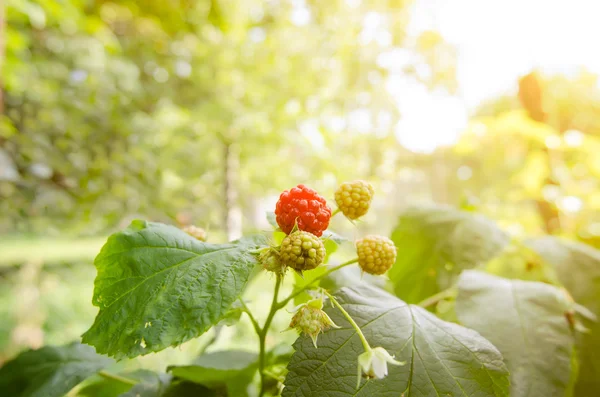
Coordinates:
[373,363]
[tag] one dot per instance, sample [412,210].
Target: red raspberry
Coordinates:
[305,206]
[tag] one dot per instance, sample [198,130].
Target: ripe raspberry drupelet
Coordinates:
[376,254]
[304,206]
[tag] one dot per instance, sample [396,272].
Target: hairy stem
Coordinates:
[440,296]
[262,335]
[251,317]
[335,212]
[351,320]
[118,378]
[328,272]
[275,306]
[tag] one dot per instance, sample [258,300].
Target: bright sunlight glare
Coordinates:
[496,42]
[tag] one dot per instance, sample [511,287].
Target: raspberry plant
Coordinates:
[449,306]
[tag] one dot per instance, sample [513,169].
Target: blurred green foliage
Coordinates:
[186,111]
[116,109]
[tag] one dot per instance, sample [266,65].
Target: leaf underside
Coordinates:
[217,368]
[525,320]
[441,358]
[435,244]
[577,267]
[50,371]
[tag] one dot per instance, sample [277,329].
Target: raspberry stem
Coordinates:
[118,378]
[440,296]
[251,317]
[276,305]
[365,344]
[263,335]
[337,211]
[284,302]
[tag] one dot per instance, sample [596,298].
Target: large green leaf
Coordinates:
[518,261]
[526,321]
[189,389]
[577,267]
[50,371]
[104,388]
[110,387]
[151,385]
[441,358]
[230,369]
[154,386]
[158,287]
[435,244]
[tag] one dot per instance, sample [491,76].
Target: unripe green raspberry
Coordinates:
[196,232]
[354,198]
[376,254]
[270,260]
[302,251]
[311,319]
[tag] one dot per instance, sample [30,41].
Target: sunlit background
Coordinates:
[202,112]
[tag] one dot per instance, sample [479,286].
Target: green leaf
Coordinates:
[189,389]
[435,244]
[50,371]
[336,238]
[155,386]
[272,219]
[104,388]
[232,316]
[233,369]
[577,267]
[108,387]
[214,369]
[330,248]
[441,358]
[158,287]
[519,261]
[526,321]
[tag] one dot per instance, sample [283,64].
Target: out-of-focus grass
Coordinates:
[16,251]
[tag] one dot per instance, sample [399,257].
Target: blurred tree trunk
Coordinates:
[232,214]
[531,95]
[438,178]
[2,46]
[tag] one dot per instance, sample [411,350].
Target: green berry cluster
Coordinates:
[271,261]
[302,251]
[310,319]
